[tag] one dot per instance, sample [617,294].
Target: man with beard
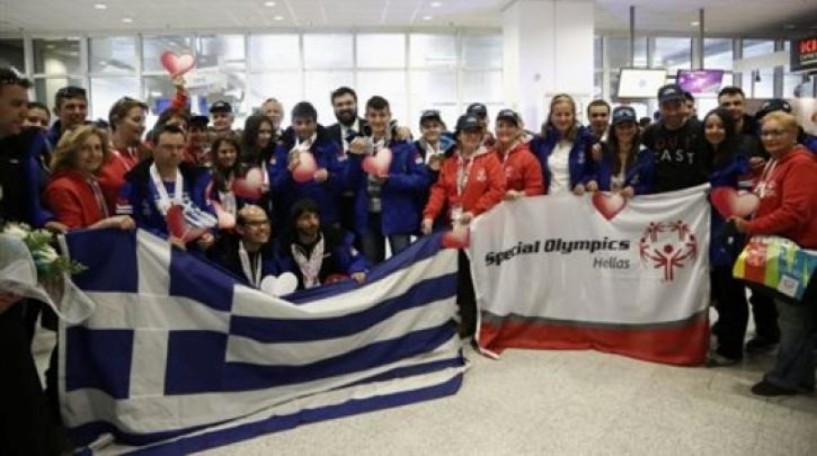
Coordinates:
[349,126]
[675,140]
[733,100]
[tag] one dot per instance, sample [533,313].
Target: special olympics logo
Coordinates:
[668,246]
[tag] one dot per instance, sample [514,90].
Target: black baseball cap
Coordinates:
[221,106]
[777,104]
[430,114]
[467,122]
[671,92]
[477,109]
[624,114]
[199,121]
[509,114]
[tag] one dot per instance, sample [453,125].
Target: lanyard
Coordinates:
[765,178]
[128,160]
[164,202]
[253,276]
[100,200]
[463,172]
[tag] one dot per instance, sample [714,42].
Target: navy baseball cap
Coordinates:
[221,106]
[430,114]
[510,115]
[671,92]
[624,114]
[199,121]
[467,122]
[777,104]
[477,109]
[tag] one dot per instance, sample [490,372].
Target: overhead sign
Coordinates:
[804,54]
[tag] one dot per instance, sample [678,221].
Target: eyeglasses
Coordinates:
[772,133]
[256,222]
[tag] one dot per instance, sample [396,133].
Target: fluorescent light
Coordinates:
[279,18]
[427,18]
[101,6]
[695,23]
[436,4]
[127,20]
[269,4]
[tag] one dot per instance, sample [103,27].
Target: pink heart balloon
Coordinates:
[730,202]
[251,186]
[305,171]
[177,65]
[378,165]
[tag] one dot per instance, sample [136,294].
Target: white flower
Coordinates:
[47,255]
[16,230]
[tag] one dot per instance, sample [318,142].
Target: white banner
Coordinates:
[548,266]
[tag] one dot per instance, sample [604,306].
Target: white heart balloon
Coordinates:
[282,285]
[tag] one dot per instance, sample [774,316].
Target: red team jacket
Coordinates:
[71,198]
[522,170]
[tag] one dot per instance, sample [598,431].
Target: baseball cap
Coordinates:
[508,114]
[671,92]
[477,109]
[430,114]
[777,104]
[467,122]
[624,114]
[221,106]
[199,121]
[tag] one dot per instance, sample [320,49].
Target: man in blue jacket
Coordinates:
[388,203]
[329,180]
[71,108]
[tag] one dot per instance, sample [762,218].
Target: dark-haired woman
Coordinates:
[728,165]
[258,143]
[623,165]
[226,168]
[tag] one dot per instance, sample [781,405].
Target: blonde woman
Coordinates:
[73,194]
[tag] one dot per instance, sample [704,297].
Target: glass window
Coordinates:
[154,46]
[618,49]
[286,87]
[482,86]
[115,55]
[381,50]
[433,90]
[12,54]
[57,56]
[328,51]
[275,52]
[46,88]
[390,85]
[673,54]
[755,48]
[480,51]
[718,54]
[759,83]
[433,50]
[222,52]
[106,91]
[319,86]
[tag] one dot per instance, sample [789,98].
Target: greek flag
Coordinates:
[177,357]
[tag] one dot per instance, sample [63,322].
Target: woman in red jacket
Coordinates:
[74,194]
[788,208]
[471,182]
[523,172]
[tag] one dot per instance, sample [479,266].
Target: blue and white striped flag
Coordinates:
[178,357]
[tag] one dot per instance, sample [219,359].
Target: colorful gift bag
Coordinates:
[779,267]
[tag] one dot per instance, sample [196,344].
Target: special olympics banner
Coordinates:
[596,272]
[177,357]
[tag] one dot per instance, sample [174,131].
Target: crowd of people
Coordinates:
[327,203]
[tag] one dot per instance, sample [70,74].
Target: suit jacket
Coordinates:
[335,131]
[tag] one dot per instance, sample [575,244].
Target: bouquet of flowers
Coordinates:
[50,265]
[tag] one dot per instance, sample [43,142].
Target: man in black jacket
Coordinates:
[24,427]
[675,142]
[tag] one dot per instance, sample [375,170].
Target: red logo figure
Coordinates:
[668,246]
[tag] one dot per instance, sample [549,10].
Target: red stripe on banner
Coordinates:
[684,345]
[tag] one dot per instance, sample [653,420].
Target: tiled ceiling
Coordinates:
[723,17]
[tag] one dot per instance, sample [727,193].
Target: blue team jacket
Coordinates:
[580,164]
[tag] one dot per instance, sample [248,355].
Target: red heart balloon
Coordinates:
[177,65]
[609,204]
[378,165]
[305,171]
[251,186]
[730,202]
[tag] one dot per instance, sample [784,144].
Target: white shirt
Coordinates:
[344,131]
[559,166]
